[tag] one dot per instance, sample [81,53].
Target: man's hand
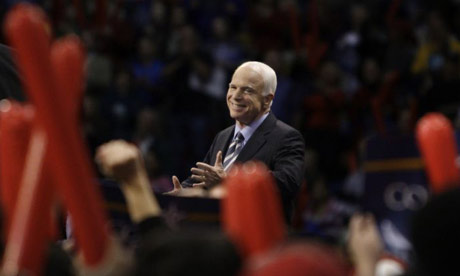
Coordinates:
[185,192]
[177,187]
[120,160]
[208,175]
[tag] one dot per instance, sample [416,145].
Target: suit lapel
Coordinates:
[257,139]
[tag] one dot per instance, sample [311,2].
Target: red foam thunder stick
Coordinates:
[252,214]
[16,122]
[32,216]
[75,181]
[436,141]
[68,62]
[15,127]
[35,211]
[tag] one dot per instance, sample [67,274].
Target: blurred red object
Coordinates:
[27,195]
[252,213]
[16,122]
[26,29]
[298,259]
[68,61]
[436,141]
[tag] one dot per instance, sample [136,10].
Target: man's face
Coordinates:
[245,99]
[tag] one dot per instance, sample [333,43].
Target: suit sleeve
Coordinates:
[289,164]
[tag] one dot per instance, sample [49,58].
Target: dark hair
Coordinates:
[169,253]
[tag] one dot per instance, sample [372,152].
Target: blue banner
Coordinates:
[395,187]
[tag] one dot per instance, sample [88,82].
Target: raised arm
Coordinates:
[364,244]
[122,161]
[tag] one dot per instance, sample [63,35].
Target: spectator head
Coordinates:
[220,28]
[435,236]
[148,122]
[146,49]
[329,74]
[274,59]
[437,29]
[123,82]
[158,12]
[370,71]
[187,253]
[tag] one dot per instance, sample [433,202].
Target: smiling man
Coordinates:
[256,135]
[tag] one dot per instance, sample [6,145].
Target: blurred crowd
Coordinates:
[158,73]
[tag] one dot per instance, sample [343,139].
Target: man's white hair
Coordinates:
[268,74]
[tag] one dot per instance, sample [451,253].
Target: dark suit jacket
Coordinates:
[274,143]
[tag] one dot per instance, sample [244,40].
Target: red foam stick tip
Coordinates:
[436,141]
[68,59]
[252,213]
[26,29]
[24,15]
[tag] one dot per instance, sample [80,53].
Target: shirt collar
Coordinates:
[248,130]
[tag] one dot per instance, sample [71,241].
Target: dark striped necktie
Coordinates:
[233,150]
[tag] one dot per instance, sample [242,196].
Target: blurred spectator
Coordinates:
[437,45]
[99,65]
[148,132]
[323,116]
[226,52]
[157,26]
[147,68]
[268,26]
[436,64]
[434,235]
[119,105]
[285,104]
[374,100]
[400,51]
[191,80]
[95,127]
[149,136]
